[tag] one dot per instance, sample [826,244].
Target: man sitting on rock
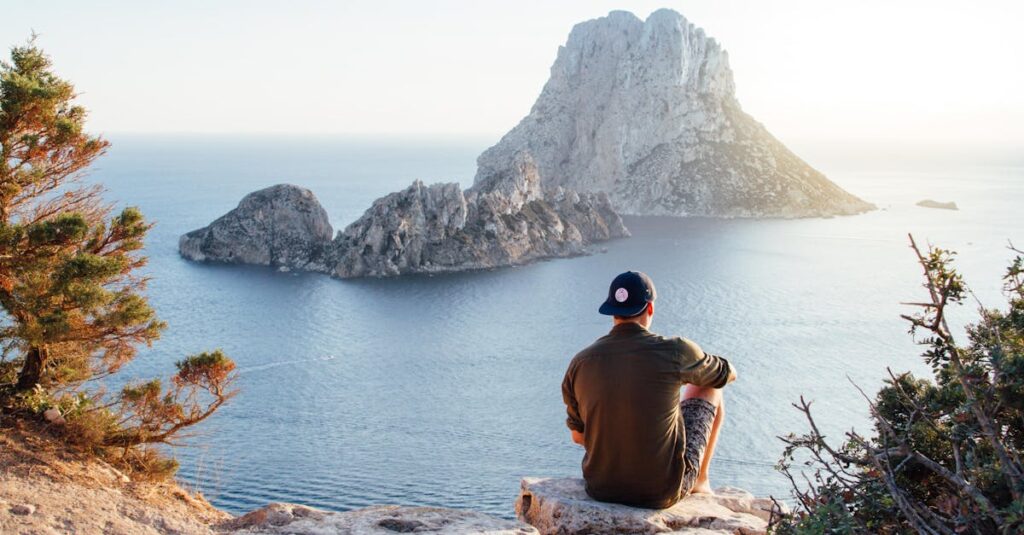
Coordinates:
[644,447]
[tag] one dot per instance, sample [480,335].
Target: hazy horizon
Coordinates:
[914,73]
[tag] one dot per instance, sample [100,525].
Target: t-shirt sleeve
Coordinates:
[700,368]
[572,408]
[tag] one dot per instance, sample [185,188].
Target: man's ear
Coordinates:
[650,309]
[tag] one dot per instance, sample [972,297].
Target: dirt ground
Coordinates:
[44,489]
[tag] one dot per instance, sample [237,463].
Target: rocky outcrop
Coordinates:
[45,488]
[646,112]
[505,219]
[282,226]
[561,506]
[291,519]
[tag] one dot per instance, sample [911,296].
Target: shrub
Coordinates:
[944,457]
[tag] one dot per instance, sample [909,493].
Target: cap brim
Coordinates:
[609,309]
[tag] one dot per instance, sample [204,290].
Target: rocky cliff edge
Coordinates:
[45,489]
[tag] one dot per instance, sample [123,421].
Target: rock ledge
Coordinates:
[562,506]
[292,519]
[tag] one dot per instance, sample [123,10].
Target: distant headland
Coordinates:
[638,117]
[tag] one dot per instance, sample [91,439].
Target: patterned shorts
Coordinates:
[698,417]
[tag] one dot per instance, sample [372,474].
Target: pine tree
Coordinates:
[70,288]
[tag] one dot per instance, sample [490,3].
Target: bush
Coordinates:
[944,457]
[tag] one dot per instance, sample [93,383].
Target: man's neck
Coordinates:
[642,324]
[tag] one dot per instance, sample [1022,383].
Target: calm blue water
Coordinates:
[445,390]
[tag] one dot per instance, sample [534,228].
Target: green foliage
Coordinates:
[73,306]
[155,414]
[204,368]
[945,454]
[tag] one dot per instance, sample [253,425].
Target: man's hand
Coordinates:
[577,437]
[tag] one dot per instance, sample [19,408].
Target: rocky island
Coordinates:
[638,117]
[280,226]
[503,220]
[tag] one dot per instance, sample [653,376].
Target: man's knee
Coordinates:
[711,395]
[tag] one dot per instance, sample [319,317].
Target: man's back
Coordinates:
[622,393]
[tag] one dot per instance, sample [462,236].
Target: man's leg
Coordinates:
[713,396]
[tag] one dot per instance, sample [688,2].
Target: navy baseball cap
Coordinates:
[628,295]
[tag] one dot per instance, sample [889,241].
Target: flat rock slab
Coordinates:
[286,518]
[562,506]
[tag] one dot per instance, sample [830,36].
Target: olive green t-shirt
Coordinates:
[622,393]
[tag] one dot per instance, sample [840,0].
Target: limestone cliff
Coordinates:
[646,112]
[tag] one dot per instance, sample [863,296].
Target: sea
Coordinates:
[445,390]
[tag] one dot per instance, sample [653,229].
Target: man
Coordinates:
[643,446]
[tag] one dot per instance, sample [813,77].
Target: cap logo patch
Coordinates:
[621,295]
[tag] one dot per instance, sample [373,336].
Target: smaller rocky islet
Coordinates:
[506,220]
[929,203]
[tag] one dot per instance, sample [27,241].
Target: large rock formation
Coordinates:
[561,506]
[505,219]
[646,111]
[291,519]
[281,226]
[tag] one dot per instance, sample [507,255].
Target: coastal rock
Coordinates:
[646,112]
[282,226]
[562,506]
[505,219]
[404,231]
[928,203]
[291,519]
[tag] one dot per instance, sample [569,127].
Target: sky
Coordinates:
[934,72]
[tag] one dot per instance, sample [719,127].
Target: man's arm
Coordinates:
[705,369]
[572,409]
